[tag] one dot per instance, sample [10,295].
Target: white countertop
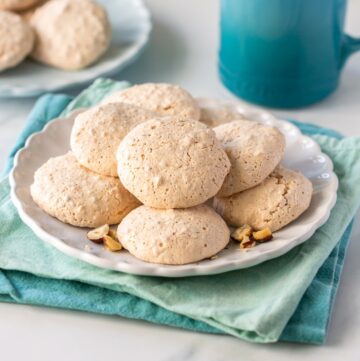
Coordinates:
[183,50]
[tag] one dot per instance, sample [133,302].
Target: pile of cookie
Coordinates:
[66,34]
[147,159]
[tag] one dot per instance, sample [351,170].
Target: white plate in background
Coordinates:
[131,27]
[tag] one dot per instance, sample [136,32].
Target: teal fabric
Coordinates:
[288,298]
[47,107]
[51,106]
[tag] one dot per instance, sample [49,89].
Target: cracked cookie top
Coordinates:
[172,162]
[281,198]
[173,236]
[71,193]
[162,98]
[254,150]
[97,133]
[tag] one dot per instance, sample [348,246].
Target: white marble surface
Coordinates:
[183,50]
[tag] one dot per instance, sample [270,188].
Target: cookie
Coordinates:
[254,151]
[71,193]
[279,200]
[16,5]
[70,34]
[172,162]
[16,40]
[97,133]
[29,12]
[164,99]
[216,115]
[173,236]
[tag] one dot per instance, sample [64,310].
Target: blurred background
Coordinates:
[183,49]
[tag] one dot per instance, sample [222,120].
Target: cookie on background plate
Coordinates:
[164,99]
[70,34]
[97,133]
[173,236]
[71,193]
[172,162]
[278,200]
[15,5]
[254,151]
[16,40]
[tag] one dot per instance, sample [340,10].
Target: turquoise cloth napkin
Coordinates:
[288,298]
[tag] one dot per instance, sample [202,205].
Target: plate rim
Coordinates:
[150,269]
[138,48]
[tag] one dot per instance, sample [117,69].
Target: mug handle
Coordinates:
[349,47]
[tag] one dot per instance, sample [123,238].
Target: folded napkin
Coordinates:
[287,298]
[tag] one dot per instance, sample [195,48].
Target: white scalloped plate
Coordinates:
[302,153]
[131,26]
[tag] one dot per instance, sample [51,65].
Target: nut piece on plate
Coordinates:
[248,238]
[264,235]
[172,162]
[112,244]
[254,150]
[106,236]
[16,40]
[240,233]
[278,200]
[96,235]
[70,34]
[113,234]
[247,242]
[161,98]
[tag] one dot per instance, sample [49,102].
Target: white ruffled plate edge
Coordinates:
[325,184]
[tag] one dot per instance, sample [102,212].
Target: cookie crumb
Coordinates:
[88,248]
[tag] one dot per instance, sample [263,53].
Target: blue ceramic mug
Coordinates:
[283,53]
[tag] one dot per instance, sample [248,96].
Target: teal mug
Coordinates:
[283,53]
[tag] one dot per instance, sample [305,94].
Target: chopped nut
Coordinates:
[247,242]
[112,244]
[263,235]
[113,234]
[97,234]
[240,233]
